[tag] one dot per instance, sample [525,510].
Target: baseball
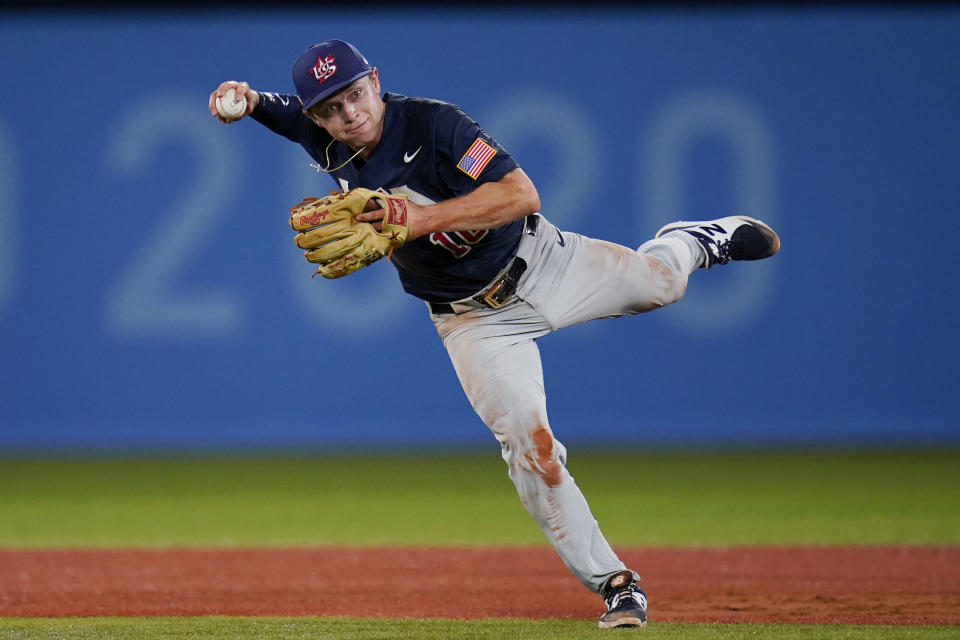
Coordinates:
[229,107]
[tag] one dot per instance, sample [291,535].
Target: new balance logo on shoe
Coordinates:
[712,229]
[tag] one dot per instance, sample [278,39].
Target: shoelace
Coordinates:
[723,252]
[631,592]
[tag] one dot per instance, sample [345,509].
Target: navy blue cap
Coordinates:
[325,68]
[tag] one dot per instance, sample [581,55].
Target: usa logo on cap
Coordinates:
[324,68]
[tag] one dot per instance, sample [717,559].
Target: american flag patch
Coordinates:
[476,158]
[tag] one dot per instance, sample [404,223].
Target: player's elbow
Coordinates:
[526,197]
[532,200]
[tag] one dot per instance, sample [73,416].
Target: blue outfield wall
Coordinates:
[151,297]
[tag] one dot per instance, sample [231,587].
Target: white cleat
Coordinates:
[626,603]
[733,238]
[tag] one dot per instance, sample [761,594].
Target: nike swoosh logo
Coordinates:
[407,157]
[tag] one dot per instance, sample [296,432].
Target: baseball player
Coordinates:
[458,218]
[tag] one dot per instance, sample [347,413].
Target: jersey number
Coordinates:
[458,242]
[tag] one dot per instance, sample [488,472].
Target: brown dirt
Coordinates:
[849,585]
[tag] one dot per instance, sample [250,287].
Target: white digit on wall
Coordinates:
[356,305]
[148,298]
[9,254]
[554,121]
[716,307]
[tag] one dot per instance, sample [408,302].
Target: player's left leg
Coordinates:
[580,278]
[575,278]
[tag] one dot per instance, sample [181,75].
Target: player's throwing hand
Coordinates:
[240,90]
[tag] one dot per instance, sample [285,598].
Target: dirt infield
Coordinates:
[851,585]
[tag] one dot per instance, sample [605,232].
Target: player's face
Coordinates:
[354,115]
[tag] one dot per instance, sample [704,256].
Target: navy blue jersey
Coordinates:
[430,151]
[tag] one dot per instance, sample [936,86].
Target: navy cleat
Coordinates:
[733,238]
[626,603]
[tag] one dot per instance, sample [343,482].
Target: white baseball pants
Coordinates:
[569,279]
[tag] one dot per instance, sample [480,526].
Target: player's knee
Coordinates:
[671,291]
[535,453]
[665,284]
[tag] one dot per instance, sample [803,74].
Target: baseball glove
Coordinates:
[340,244]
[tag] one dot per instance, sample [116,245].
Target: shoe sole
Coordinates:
[623,622]
[768,233]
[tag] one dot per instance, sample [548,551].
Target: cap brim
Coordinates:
[332,89]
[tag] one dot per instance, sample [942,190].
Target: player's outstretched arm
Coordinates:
[241,89]
[490,205]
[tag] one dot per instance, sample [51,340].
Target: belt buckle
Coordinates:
[489,295]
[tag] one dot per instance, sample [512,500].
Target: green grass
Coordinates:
[373,629]
[639,499]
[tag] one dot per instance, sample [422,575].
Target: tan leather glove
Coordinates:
[340,244]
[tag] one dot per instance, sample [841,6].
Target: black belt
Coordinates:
[496,294]
[505,286]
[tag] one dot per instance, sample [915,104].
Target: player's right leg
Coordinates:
[497,361]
